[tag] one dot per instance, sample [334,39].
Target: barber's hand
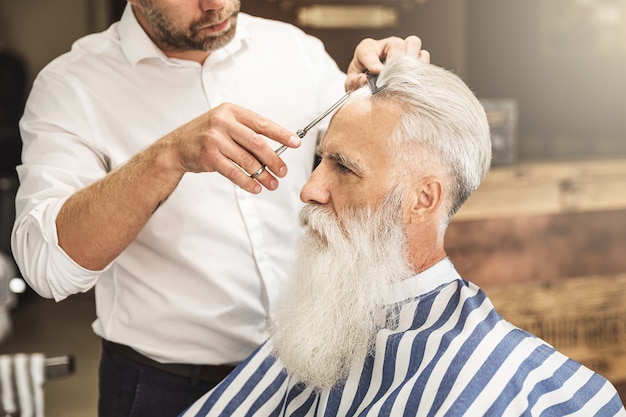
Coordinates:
[229,135]
[370,54]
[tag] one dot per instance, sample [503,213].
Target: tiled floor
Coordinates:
[58,329]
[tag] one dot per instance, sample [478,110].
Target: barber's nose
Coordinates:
[206,5]
[316,191]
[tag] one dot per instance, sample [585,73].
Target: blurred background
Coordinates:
[546,233]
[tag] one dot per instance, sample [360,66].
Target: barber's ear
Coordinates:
[424,199]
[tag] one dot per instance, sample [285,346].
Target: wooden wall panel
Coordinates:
[548,188]
[543,221]
[547,242]
[585,317]
[539,248]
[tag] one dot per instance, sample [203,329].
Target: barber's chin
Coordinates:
[220,27]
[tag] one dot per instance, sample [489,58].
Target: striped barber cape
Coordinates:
[451,354]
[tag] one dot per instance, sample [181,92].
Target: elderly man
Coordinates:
[375,320]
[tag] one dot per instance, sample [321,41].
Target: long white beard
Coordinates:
[334,300]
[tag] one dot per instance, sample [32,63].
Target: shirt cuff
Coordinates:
[63,275]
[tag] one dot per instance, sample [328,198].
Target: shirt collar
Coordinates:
[442,273]
[137,45]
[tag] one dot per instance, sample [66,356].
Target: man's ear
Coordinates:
[424,199]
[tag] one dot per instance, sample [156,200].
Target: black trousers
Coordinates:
[130,388]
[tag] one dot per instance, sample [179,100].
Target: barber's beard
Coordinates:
[178,39]
[335,298]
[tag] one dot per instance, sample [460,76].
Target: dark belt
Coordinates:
[210,373]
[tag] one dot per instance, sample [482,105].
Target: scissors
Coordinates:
[371,82]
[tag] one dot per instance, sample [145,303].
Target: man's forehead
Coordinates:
[359,126]
[342,144]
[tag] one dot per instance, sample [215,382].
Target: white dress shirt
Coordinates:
[195,285]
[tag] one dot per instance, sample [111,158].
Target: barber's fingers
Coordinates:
[411,45]
[238,174]
[258,154]
[231,140]
[256,159]
[249,130]
[370,55]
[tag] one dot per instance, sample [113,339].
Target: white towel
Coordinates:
[22,378]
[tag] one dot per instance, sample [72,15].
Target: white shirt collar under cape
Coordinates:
[441,273]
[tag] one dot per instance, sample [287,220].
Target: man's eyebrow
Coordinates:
[344,160]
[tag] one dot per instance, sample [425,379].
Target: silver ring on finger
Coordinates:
[257,172]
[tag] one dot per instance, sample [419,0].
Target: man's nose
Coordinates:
[316,189]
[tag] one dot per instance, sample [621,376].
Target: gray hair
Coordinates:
[441,119]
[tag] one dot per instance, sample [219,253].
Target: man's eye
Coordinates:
[344,168]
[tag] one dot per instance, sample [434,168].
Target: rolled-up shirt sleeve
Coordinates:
[45,266]
[61,155]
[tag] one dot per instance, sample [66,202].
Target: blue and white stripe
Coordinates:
[452,354]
